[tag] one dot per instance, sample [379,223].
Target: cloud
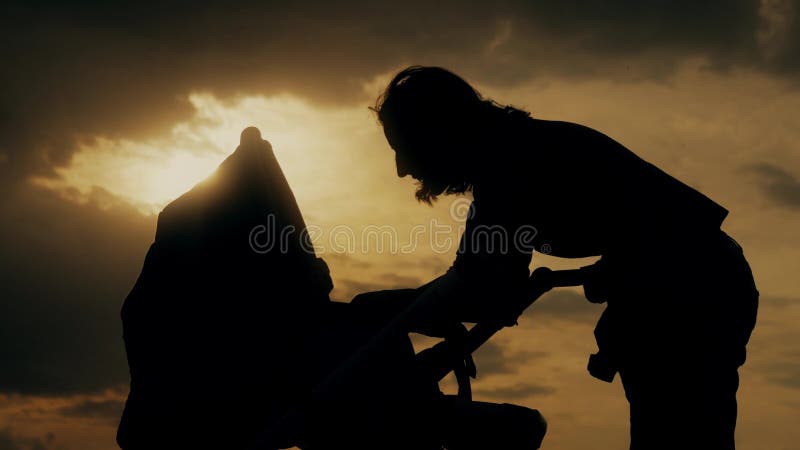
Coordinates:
[784,370]
[127,70]
[514,392]
[562,304]
[347,288]
[107,410]
[493,359]
[773,349]
[781,303]
[65,269]
[10,441]
[780,185]
[401,281]
[7,441]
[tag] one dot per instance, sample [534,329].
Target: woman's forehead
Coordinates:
[391,136]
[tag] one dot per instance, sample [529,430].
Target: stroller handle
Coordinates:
[558,278]
[541,281]
[448,353]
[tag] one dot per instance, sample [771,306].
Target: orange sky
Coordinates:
[713,106]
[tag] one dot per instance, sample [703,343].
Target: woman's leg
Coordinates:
[685,341]
[684,402]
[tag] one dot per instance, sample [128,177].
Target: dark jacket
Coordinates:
[570,191]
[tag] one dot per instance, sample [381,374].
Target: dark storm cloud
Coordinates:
[780,185]
[64,271]
[73,71]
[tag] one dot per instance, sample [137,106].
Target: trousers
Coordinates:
[680,313]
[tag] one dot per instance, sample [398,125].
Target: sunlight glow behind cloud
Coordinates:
[151,173]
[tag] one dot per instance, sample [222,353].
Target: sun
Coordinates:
[138,173]
[317,148]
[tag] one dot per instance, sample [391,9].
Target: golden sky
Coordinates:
[132,107]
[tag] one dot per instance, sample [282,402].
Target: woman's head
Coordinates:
[436,123]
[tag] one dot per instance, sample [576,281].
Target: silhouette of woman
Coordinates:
[681,300]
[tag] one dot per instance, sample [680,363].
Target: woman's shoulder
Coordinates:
[560,131]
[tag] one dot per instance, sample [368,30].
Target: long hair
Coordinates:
[431,115]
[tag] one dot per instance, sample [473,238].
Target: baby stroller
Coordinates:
[420,417]
[233,344]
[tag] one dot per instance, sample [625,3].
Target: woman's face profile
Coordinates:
[412,150]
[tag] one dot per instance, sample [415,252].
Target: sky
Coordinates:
[107,112]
